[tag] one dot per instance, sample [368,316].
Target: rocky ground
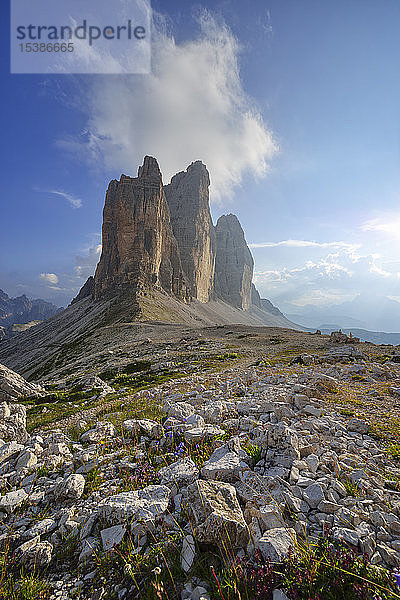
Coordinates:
[194,486]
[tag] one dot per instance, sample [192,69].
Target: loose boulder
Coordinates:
[217,516]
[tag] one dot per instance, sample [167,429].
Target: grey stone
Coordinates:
[358,425]
[348,535]
[136,427]
[225,466]
[140,505]
[199,433]
[181,473]
[10,501]
[216,513]
[311,410]
[279,595]
[71,488]
[181,410]
[102,431]
[42,528]
[13,385]
[313,495]
[35,554]
[112,536]
[275,543]
[9,450]
[27,460]
[188,553]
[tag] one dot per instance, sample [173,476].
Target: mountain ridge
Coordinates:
[201,278]
[22,310]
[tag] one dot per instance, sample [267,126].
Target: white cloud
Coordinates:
[86,260]
[323,298]
[328,278]
[303,244]
[72,200]
[193,106]
[49,278]
[387,224]
[378,270]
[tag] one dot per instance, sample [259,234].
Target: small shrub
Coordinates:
[394,451]
[43,471]
[199,451]
[226,356]
[333,571]
[145,474]
[94,479]
[138,366]
[154,573]
[15,584]
[254,451]
[351,488]
[25,587]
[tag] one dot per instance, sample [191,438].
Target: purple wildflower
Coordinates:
[397,577]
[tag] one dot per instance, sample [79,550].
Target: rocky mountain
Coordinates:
[162,262]
[234,263]
[270,308]
[23,310]
[376,337]
[188,200]
[162,238]
[139,248]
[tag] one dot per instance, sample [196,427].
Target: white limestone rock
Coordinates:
[10,501]
[275,543]
[216,513]
[137,427]
[188,553]
[35,554]
[140,505]
[102,431]
[181,473]
[71,488]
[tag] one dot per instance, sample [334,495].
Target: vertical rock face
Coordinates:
[139,248]
[188,200]
[255,297]
[164,237]
[234,263]
[86,290]
[270,308]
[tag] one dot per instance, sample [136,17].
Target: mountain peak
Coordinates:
[149,169]
[163,238]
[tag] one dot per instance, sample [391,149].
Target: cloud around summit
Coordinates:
[192,106]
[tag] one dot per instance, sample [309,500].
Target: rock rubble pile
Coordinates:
[251,461]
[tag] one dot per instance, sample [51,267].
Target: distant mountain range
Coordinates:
[372,318]
[376,337]
[370,312]
[21,311]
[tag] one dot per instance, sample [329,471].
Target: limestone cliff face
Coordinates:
[234,264]
[268,307]
[163,237]
[139,249]
[86,290]
[255,297]
[188,200]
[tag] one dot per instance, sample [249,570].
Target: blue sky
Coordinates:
[315,100]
